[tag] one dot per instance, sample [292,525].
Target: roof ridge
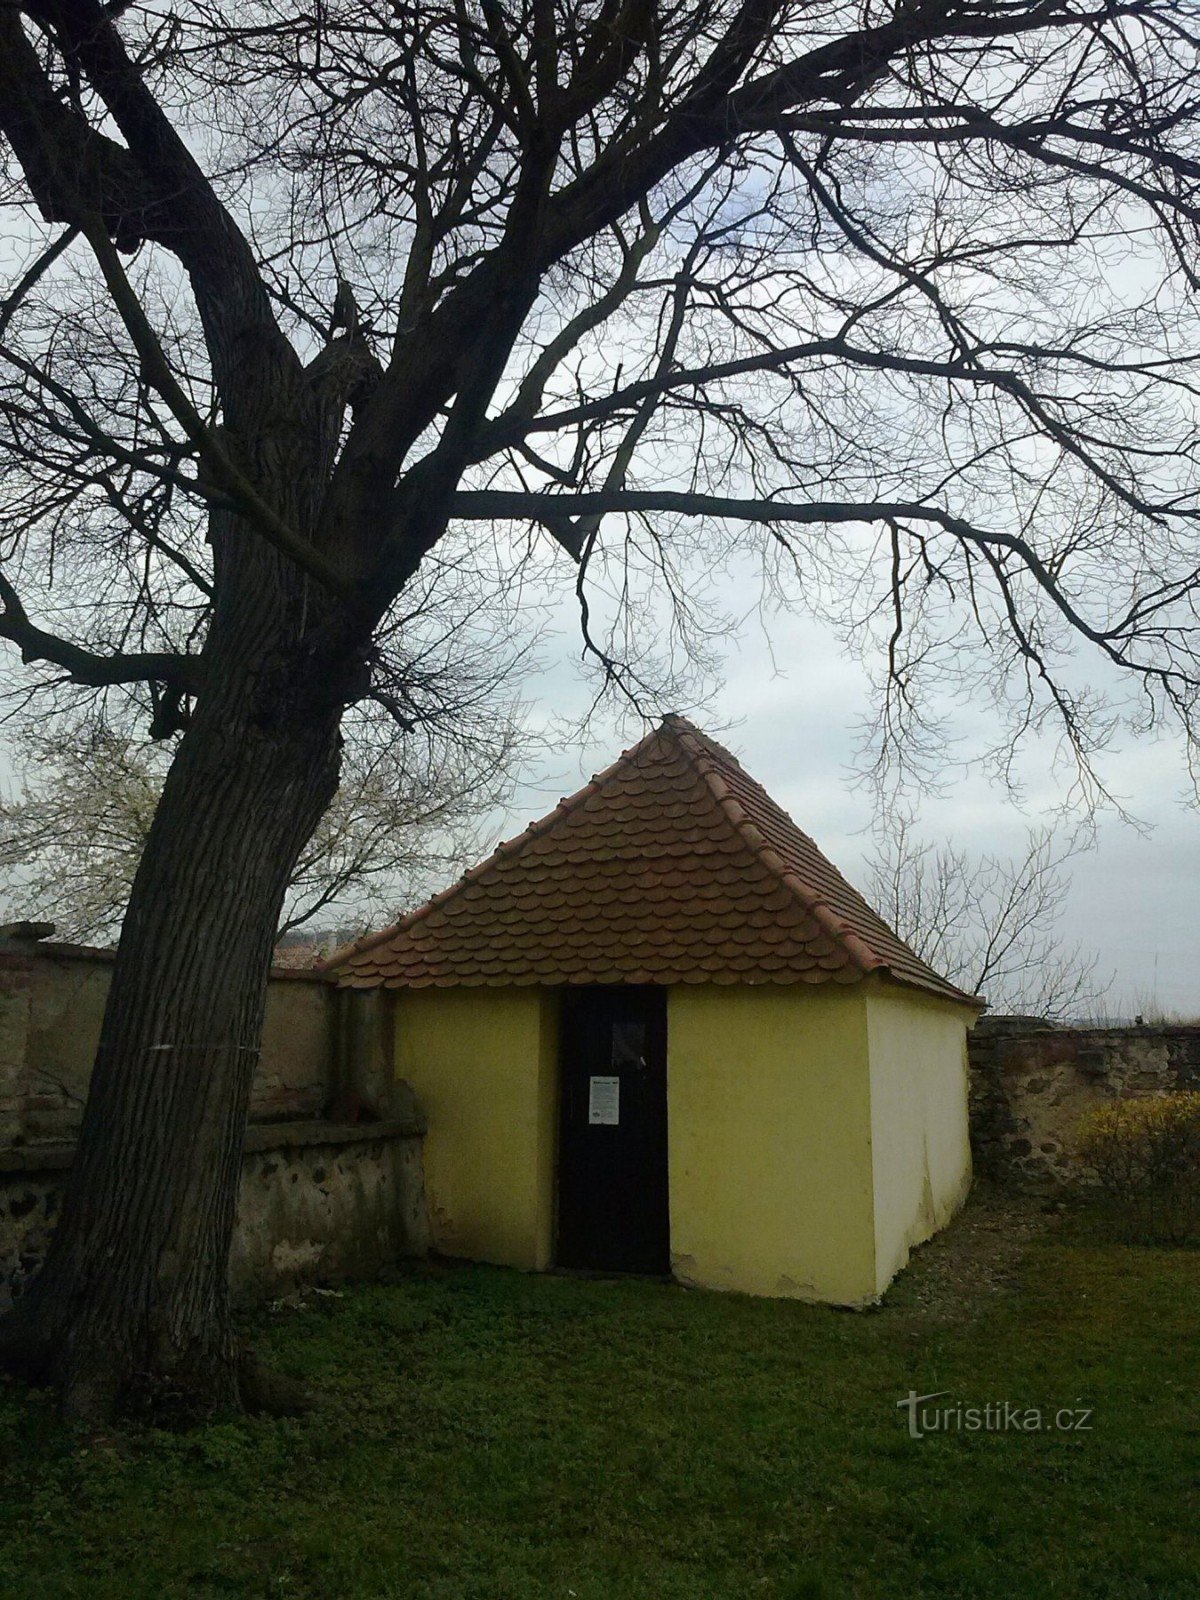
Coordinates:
[698,745]
[506,847]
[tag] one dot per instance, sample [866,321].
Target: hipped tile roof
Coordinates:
[672,866]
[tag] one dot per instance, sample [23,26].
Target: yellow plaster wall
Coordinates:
[815,1134]
[769,1131]
[483,1065]
[919,1135]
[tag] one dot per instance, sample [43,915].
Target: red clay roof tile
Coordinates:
[673,866]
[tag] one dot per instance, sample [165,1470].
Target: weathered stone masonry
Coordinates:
[332,1184]
[1032,1082]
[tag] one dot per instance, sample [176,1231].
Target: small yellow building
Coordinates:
[659,1032]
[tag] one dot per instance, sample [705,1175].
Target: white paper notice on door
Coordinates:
[604,1101]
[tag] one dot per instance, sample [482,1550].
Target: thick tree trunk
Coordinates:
[133,1295]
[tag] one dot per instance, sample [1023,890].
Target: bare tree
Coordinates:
[990,923]
[315,302]
[403,821]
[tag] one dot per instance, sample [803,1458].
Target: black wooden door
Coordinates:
[612,1164]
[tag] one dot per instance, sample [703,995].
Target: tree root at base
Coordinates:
[95,1396]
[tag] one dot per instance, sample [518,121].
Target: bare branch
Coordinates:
[84,666]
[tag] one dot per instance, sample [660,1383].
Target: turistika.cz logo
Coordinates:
[925,1415]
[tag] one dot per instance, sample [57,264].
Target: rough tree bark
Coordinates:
[133,1299]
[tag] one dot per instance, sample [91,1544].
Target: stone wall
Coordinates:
[332,1180]
[1031,1083]
[51,1006]
[319,1203]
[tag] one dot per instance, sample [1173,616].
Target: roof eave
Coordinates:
[941,990]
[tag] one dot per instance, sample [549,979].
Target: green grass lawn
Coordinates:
[493,1435]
